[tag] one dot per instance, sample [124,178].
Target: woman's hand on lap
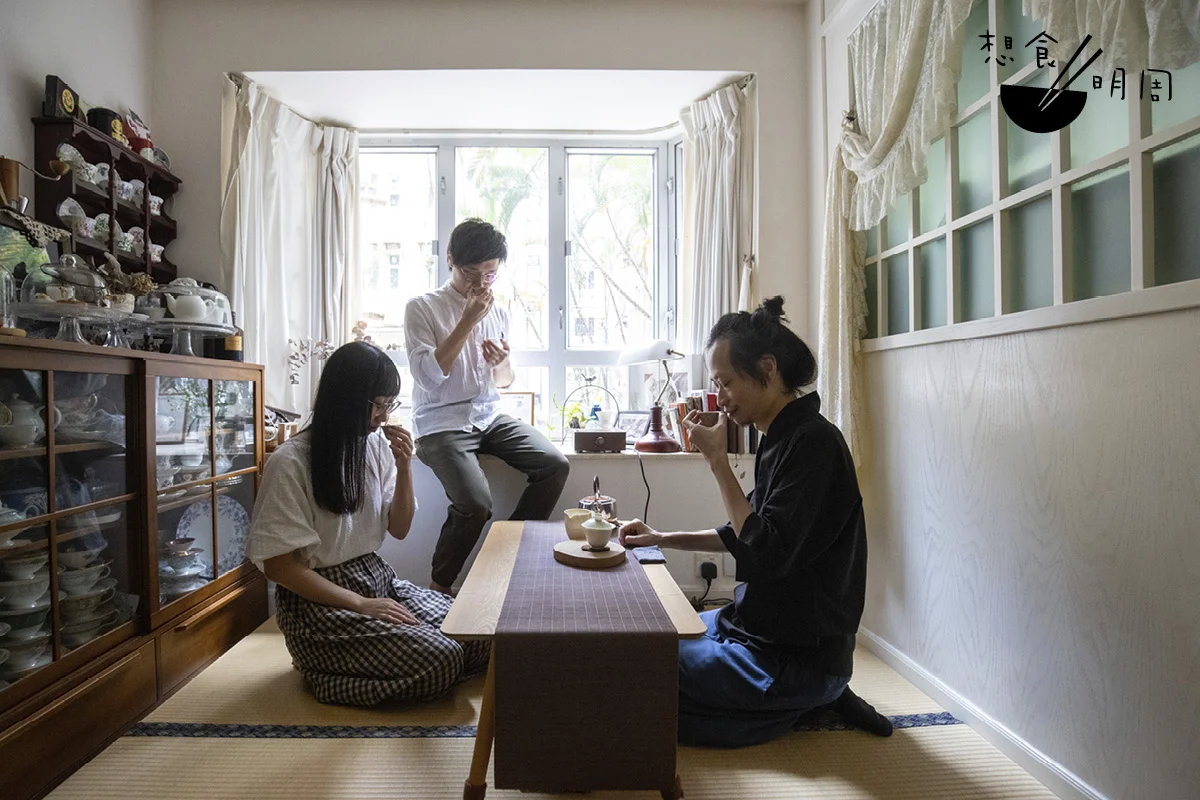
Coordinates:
[639,534]
[387,610]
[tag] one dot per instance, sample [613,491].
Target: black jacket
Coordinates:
[802,552]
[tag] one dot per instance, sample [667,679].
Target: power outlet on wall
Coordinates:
[708,558]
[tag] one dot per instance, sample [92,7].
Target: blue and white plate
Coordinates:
[233,525]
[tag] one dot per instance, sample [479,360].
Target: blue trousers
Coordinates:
[734,694]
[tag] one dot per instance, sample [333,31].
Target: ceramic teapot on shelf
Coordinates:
[21,422]
[196,303]
[189,307]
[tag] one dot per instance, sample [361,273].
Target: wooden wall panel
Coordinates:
[1034,520]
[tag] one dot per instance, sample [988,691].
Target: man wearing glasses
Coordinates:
[455,337]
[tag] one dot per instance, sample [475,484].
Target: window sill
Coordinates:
[570,453]
[1156,300]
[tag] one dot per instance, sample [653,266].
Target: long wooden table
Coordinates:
[476,612]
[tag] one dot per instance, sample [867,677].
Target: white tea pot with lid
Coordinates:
[25,413]
[189,307]
[191,302]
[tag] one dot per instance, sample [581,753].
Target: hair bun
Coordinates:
[770,310]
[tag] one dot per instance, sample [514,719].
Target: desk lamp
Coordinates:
[655,440]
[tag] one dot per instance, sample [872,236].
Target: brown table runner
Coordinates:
[586,675]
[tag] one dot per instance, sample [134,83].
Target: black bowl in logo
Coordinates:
[1023,104]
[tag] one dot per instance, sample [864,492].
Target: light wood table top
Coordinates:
[476,610]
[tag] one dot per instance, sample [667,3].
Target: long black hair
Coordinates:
[353,377]
[762,333]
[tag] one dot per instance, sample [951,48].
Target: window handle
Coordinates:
[561,316]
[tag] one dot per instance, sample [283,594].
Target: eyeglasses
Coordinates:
[386,408]
[486,277]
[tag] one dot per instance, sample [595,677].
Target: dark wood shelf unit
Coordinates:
[97,148]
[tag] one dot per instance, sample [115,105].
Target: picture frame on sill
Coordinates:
[519,405]
[634,423]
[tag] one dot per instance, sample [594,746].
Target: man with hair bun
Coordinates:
[784,647]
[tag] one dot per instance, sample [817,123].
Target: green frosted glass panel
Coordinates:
[873,241]
[975,164]
[931,259]
[933,192]
[1031,255]
[872,280]
[1100,220]
[1022,29]
[1185,97]
[977,288]
[975,80]
[1176,211]
[1028,153]
[898,288]
[896,226]
[1102,126]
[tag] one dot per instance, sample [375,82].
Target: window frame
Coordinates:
[558,357]
[1143,296]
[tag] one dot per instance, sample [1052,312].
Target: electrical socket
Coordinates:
[708,558]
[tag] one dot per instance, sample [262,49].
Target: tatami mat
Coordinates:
[254,684]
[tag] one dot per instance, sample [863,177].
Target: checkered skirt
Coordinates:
[348,658]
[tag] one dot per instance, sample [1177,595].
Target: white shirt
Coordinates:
[467,398]
[287,517]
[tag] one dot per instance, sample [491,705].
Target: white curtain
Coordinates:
[1147,34]
[287,233]
[720,219]
[905,60]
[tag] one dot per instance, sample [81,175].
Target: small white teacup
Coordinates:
[25,654]
[78,559]
[81,581]
[21,568]
[598,536]
[25,593]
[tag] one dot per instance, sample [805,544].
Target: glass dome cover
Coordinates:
[186,300]
[8,296]
[68,282]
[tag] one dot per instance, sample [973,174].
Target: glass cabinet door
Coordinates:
[26,637]
[98,579]
[233,434]
[185,533]
[234,442]
[235,505]
[183,460]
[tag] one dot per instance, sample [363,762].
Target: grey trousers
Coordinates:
[454,458]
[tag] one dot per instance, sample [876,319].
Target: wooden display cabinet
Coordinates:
[100,621]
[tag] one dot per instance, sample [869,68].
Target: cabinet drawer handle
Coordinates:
[206,613]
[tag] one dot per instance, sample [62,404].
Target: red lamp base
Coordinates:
[657,440]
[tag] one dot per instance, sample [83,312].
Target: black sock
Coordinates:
[861,714]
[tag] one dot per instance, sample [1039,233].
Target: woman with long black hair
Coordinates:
[357,633]
[784,647]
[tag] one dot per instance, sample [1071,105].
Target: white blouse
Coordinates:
[287,517]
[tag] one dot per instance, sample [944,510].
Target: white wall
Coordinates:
[101,48]
[1033,505]
[683,497]
[196,42]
